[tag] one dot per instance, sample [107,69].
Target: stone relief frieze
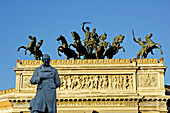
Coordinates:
[147,80]
[96,82]
[116,82]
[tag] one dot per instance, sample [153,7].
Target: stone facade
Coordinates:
[94,86]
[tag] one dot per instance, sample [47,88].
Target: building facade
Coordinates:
[94,86]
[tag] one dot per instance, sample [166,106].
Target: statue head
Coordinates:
[94,30]
[46,59]
[87,28]
[139,39]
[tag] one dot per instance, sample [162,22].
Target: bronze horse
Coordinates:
[65,49]
[30,46]
[78,45]
[115,47]
[150,45]
[102,47]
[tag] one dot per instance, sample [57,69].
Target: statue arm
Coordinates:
[83,27]
[35,78]
[57,79]
[135,40]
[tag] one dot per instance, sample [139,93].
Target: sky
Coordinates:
[46,20]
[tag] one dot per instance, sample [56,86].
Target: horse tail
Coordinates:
[21,47]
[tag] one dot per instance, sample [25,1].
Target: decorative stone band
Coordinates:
[91,61]
[135,98]
[7,91]
[79,62]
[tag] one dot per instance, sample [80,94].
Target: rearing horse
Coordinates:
[78,45]
[65,49]
[115,46]
[102,46]
[30,46]
[152,45]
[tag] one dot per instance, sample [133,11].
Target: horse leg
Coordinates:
[152,52]
[25,51]
[138,56]
[158,44]
[122,48]
[59,50]
[78,55]
[160,50]
[96,55]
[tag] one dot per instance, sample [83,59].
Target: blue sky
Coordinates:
[48,19]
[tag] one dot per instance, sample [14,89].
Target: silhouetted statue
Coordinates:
[48,80]
[102,47]
[65,49]
[78,45]
[87,36]
[93,43]
[35,50]
[147,46]
[115,46]
[30,46]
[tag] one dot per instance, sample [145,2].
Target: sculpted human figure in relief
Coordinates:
[48,80]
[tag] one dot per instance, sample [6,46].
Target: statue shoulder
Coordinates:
[53,68]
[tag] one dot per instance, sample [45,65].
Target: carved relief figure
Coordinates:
[97,82]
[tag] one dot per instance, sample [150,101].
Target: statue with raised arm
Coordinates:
[48,80]
[87,35]
[147,46]
[143,51]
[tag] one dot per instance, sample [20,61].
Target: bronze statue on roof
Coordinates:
[33,48]
[147,46]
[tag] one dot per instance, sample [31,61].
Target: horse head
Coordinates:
[148,36]
[121,38]
[103,36]
[60,38]
[75,35]
[32,38]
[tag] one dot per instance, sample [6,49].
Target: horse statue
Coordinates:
[78,45]
[30,46]
[151,44]
[115,47]
[65,49]
[102,47]
[147,46]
